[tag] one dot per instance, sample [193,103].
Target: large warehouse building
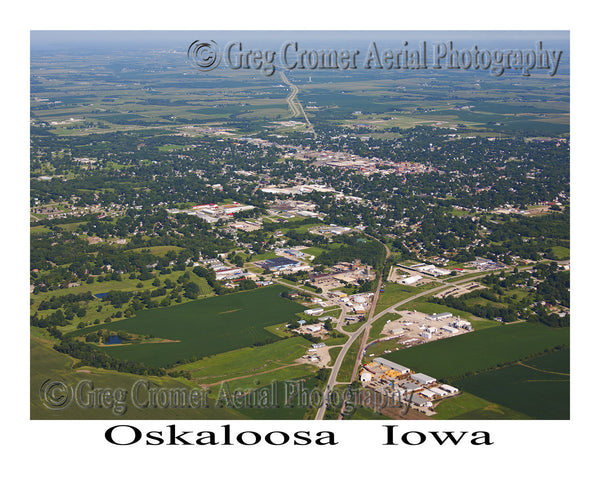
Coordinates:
[393,365]
[278,263]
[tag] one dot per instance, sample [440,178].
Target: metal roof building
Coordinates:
[421,402]
[439,316]
[278,263]
[389,364]
[422,378]
[438,391]
[449,388]
[410,387]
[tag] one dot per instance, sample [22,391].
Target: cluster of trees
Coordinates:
[370,252]
[90,356]
[70,301]
[210,276]
[509,313]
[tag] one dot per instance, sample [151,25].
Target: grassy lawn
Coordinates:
[160,250]
[378,349]
[283,382]
[347,366]
[333,353]
[263,256]
[561,253]
[107,309]
[377,325]
[285,374]
[395,293]
[126,284]
[247,361]
[336,340]
[353,327]
[315,251]
[279,330]
[467,406]
[364,413]
[47,363]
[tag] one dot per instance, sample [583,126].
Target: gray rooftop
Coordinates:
[390,364]
[422,378]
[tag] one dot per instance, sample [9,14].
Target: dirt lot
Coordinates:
[397,274]
[413,324]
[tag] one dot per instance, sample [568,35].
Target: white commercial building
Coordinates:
[314,328]
[449,329]
[449,388]
[314,311]
[411,280]
[422,378]
[439,316]
[432,270]
[427,393]
[461,324]
[228,273]
[421,402]
[439,391]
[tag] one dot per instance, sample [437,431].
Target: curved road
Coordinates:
[366,328]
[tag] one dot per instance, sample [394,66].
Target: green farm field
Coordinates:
[201,328]
[540,393]
[481,349]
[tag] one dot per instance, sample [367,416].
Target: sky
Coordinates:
[136,39]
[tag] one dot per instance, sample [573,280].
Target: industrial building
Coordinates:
[450,389]
[449,329]
[439,316]
[229,273]
[410,386]
[278,263]
[314,311]
[431,270]
[462,324]
[422,378]
[411,280]
[439,391]
[421,402]
[427,393]
[393,365]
